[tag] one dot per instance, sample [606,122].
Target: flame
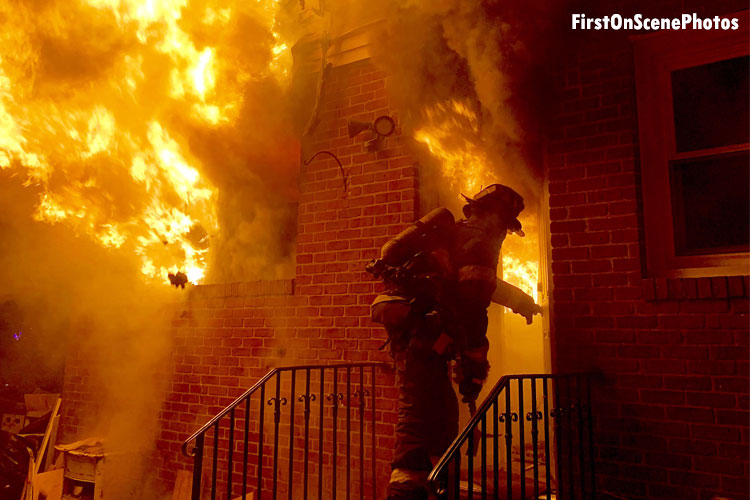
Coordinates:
[452,136]
[97,101]
[522,273]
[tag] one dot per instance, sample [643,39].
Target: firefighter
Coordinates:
[440,277]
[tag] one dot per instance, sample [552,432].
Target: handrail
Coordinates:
[342,374]
[257,386]
[452,455]
[224,412]
[461,438]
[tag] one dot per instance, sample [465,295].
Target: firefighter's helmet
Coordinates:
[502,199]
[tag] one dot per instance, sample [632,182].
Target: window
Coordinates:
[693,116]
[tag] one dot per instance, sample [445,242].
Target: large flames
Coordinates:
[101,102]
[98,99]
[451,134]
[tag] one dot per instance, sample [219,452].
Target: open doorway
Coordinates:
[520,349]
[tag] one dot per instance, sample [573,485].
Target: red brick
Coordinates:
[666,366]
[608,251]
[566,200]
[736,485]
[704,288]
[731,384]
[640,381]
[613,223]
[732,417]
[682,321]
[692,447]
[719,287]
[716,432]
[662,397]
[693,479]
[591,184]
[667,492]
[713,367]
[711,400]
[668,460]
[637,322]
[559,254]
[610,279]
[588,211]
[736,286]
[708,337]
[568,227]
[735,451]
[588,238]
[684,352]
[718,466]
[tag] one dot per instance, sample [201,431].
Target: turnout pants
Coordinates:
[427,421]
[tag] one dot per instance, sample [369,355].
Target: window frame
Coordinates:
[656,56]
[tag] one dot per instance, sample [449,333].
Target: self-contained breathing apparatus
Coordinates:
[415,267]
[417,271]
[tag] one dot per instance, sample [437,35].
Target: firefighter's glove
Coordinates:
[375,267]
[516,300]
[470,390]
[470,376]
[528,309]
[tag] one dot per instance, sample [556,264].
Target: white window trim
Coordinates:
[656,56]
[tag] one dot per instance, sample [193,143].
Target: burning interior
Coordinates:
[170,231]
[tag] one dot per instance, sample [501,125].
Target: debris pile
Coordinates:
[26,457]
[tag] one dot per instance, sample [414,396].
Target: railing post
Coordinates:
[581,430]
[197,467]
[214,462]
[230,455]
[361,394]
[261,402]
[534,416]
[320,433]
[245,448]
[547,458]
[592,458]
[557,413]
[495,449]
[374,455]
[507,418]
[348,430]
[277,403]
[291,433]
[306,398]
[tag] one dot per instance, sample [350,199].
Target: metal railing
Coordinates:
[321,413]
[551,415]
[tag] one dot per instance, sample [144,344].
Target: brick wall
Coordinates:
[79,393]
[230,335]
[672,409]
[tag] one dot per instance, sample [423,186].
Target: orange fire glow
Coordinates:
[451,134]
[98,99]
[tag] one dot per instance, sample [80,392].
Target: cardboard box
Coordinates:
[38,405]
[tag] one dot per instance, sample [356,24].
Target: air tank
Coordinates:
[424,233]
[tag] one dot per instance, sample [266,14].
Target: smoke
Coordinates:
[75,300]
[254,165]
[136,139]
[450,59]
[162,129]
[469,81]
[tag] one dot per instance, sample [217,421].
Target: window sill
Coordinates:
[717,287]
